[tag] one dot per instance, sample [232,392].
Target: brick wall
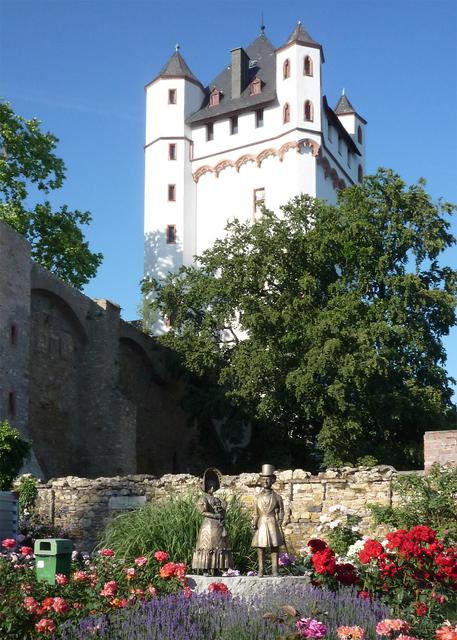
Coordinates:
[440,446]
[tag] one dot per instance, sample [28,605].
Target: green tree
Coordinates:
[13,452]
[28,167]
[342,310]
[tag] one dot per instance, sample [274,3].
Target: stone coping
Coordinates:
[246,586]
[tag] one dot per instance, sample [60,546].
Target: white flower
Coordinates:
[324,518]
[355,548]
[334,524]
[355,528]
[338,507]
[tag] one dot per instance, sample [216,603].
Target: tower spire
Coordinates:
[262,25]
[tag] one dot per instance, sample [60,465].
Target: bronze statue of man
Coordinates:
[269,514]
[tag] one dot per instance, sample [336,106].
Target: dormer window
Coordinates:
[308,66]
[256,87]
[214,97]
[286,69]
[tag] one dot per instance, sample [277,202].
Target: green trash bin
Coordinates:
[52,555]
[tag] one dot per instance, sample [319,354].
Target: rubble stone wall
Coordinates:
[83,506]
[441,447]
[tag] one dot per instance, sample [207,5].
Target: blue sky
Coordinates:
[81,66]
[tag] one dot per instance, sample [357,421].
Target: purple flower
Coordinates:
[310,628]
[251,573]
[285,559]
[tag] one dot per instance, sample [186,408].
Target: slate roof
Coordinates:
[300,36]
[262,65]
[177,67]
[344,107]
[335,122]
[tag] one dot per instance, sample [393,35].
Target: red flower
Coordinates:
[315,544]
[30,604]
[9,543]
[161,556]
[346,573]
[47,603]
[45,626]
[26,551]
[371,549]
[421,608]
[324,561]
[365,595]
[218,587]
[107,553]
[119,603]
[61,579]
[167,570]
[141,561]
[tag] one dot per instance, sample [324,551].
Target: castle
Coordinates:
[259,134]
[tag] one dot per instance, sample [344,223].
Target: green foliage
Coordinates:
[29,167]
[13,453]
[429,498]
[172,526]
[27,486]
[343,310]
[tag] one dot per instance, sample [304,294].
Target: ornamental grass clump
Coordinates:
[173,524]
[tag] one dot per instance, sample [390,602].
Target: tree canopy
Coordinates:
[325,323]
[29,166]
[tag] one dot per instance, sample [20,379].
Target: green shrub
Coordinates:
[27,486]
[430,499]
[13,453]
[172,525]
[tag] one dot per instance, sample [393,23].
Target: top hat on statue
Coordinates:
[268,470]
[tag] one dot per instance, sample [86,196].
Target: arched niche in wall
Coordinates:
[57,346]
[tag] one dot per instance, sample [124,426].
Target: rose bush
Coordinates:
[99,584]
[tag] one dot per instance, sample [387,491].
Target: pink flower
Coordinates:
[26,551]
[161,556]
[107,553]
[109,589]
[389,627]
[350,633]
[187,591]
[119,603]
[62,579]
[141,561]
[60,605]
[30,604]
[130,573]
[45,626]
[80,576]
[152,591]
[310,628]
[9,543]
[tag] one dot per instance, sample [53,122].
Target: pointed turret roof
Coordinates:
[344,108]
[300,36]
[177,67]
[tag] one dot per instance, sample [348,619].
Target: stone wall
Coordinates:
[92,392]
[83,506]
[440,446]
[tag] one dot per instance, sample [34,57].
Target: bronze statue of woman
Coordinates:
[212,552]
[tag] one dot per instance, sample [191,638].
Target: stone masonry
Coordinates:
[83,506]
[441,447]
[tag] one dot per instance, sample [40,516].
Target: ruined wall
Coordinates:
[83,506]
[441,447]
[91,391]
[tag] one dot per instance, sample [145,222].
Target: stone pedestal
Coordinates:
[246,586]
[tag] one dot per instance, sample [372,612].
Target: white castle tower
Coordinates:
[260,132]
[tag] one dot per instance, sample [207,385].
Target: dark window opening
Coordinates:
[171,96]
[286,113]
[259,118]
[286,69]
[172,152]
[171,234]
[210,131]
[309,112]
[13,334]
[308,66]
[12,403]
[171,192]
[359,135]
[233,125]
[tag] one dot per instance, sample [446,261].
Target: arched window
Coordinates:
[214,98]
[308,66]
[256,86]
[286,69]
[359,135]
[309,111]
[286,113]
[360,173]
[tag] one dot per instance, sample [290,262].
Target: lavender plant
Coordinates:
[216,616]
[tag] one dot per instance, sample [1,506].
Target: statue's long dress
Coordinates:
[212,549]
